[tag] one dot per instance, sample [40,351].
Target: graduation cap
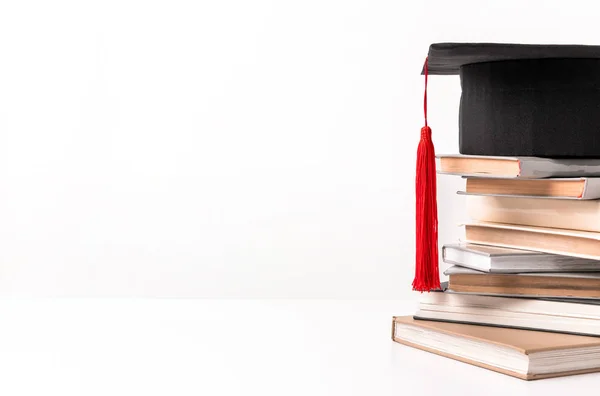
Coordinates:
[517,100]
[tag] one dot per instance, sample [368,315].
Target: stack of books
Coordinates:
[523,296]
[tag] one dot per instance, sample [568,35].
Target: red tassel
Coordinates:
[427,275]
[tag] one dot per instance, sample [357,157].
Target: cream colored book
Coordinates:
[554,213]
[570,188]
[516,167]
[524,354]
[549,240]
[557,315]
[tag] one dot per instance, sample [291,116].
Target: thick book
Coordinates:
[527,355]
[516,167]
[567,188]
[551,315]
[553,213]
[574,243]
[553,285]
[505,260]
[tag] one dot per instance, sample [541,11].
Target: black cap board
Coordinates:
[447,58]
[524,99]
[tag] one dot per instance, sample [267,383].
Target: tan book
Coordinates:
[550,240]
[554,213]
[573,285]
[523,354]
[571,188]
[516,167]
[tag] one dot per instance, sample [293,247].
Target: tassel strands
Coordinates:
[427,262]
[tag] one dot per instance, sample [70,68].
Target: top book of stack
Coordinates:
[516,167]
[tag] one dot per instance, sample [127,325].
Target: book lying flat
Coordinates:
[550,240]
[530,314]
[570,188]
[576,285]
[505,260]
[527,355]
[554,213]
[516,167]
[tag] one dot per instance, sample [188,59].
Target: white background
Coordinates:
[231,148]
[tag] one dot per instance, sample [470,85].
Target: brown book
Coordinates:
[573,188]
[550,240]
[517,167]
[574,285]
[467,165]
[523,354]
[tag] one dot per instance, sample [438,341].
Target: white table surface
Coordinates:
[203,347]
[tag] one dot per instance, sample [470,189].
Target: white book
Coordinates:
[516,167]
[506,260]
[458,270]
[533,314]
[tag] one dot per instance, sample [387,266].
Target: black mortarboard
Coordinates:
[525,100]
[517,100]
